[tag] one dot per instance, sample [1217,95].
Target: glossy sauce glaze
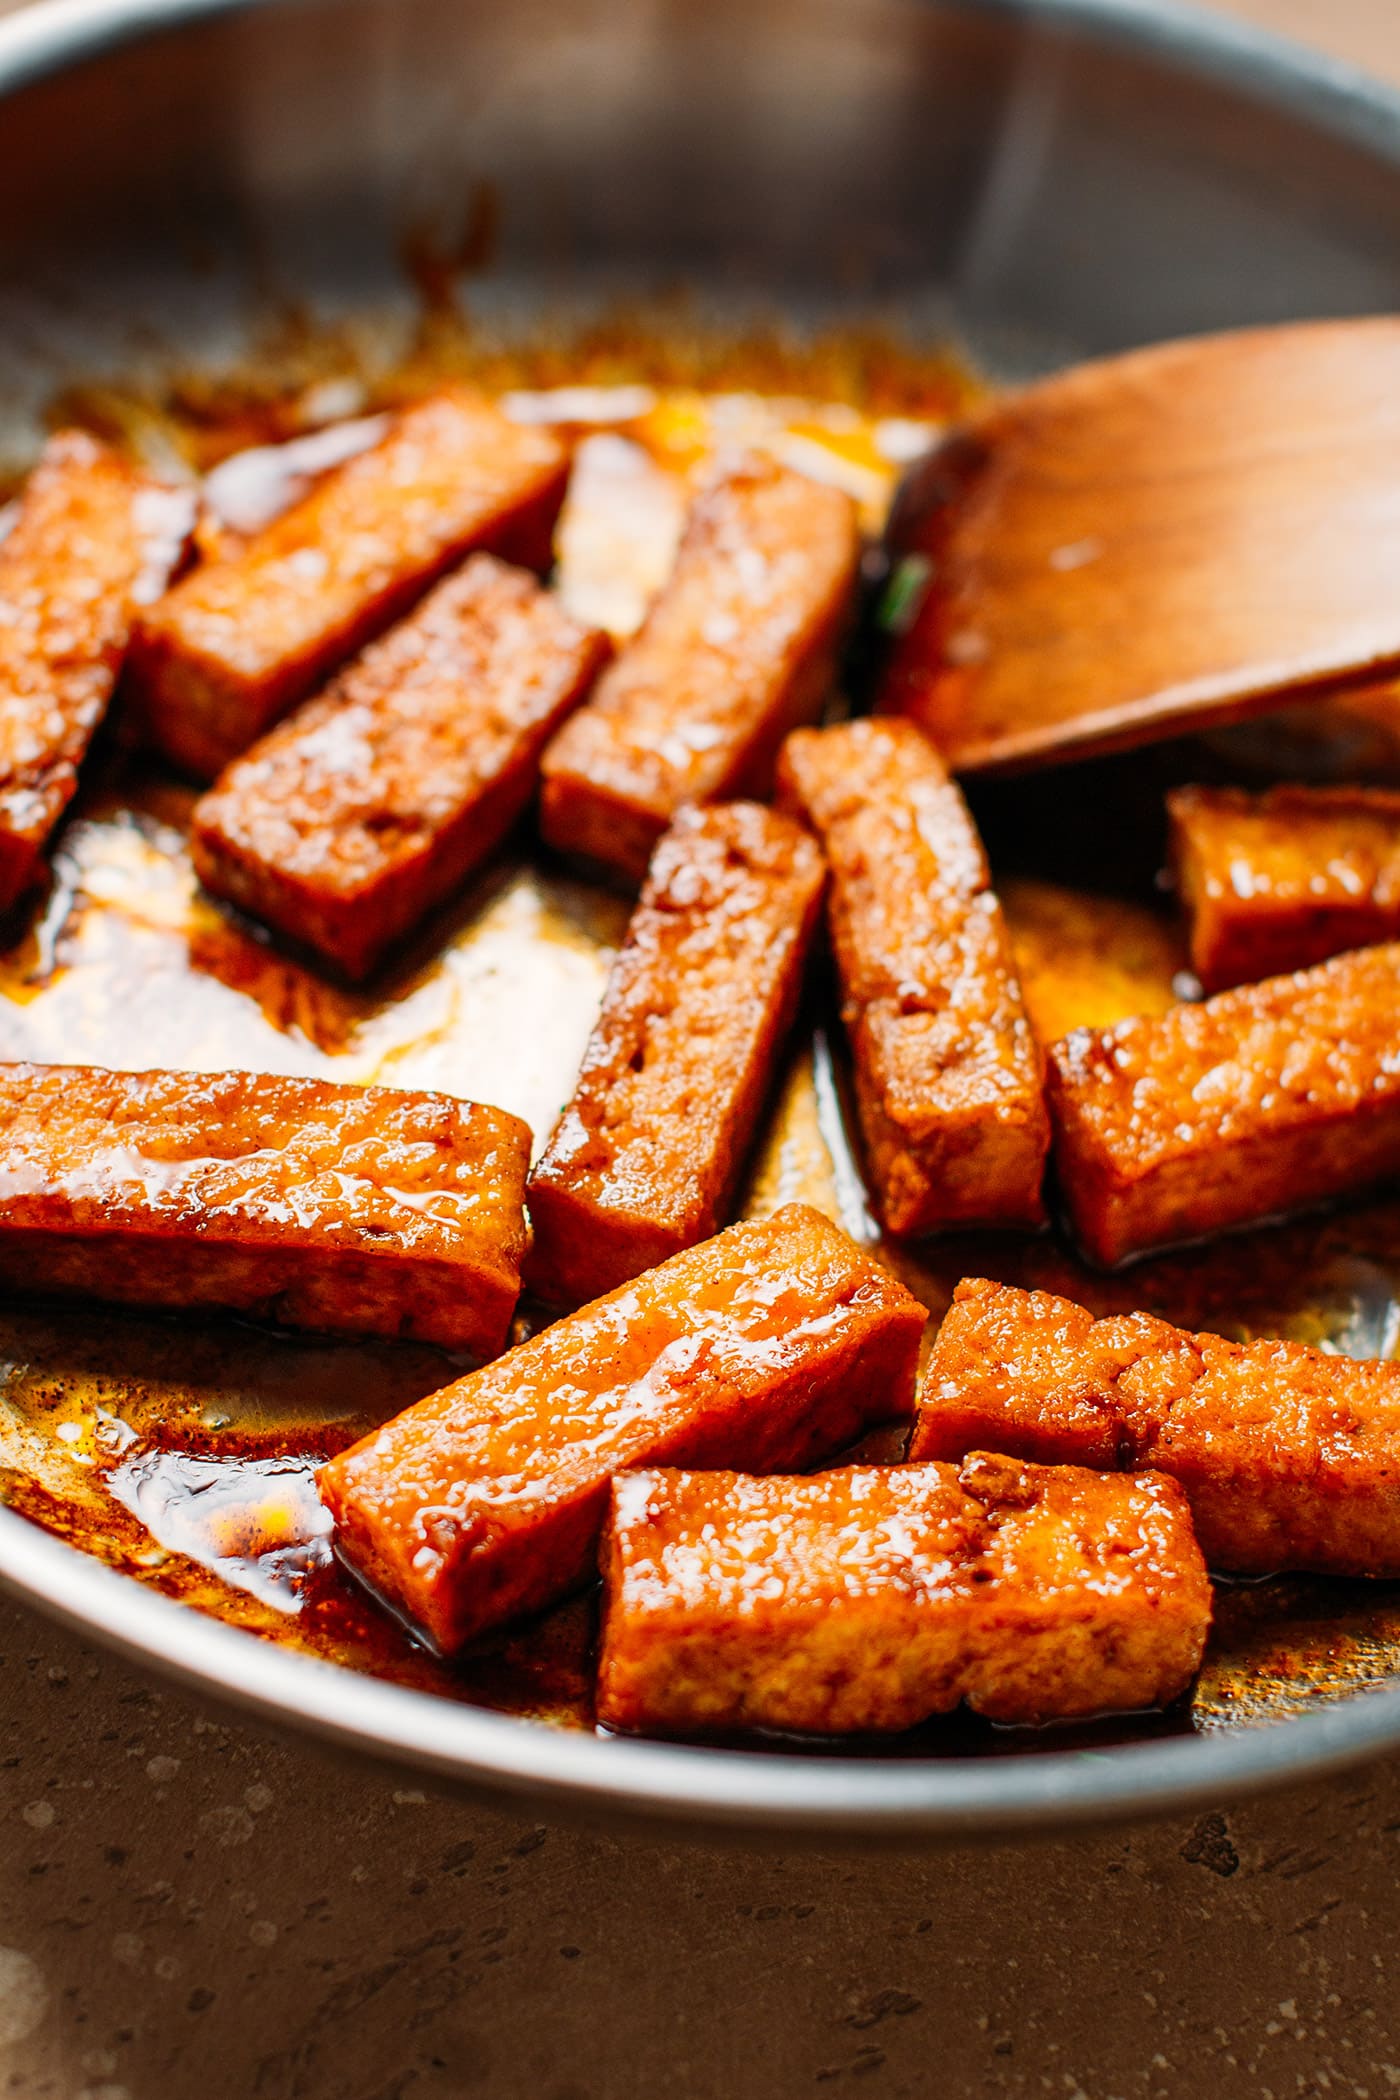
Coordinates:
[766,1347]
[1279,881]
[646,1157]
[866,1599]
[182,1450]
[335,1209]
[1253,1103]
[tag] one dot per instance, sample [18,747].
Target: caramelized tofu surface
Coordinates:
[948,1074]
[1290,1458]
[1257,1102]
[769,1346]
[356,1210]
[91,542]
[647,1155]
[868,1598]
[738,649]
[244,637]
[366,807]
[1278,881]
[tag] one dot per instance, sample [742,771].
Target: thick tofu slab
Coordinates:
[92,540]
[359,1210]
[1288,1457]
[948,1075]
[242,639]
[769,1346]
[738,649]
[346,823]
[1259,1101]
[1278,881]
[647,1154]
[870,1597]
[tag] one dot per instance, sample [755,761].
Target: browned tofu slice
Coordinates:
[358,1210]
[92,540]
[948,1074]
[648,1152]
[1278,881]
[1289,1458]
[244,637]
[1259,1101]
[769,1346]
[870,1597]
[737,650]
[352,818]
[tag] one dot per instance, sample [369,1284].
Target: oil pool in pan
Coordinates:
[183,1452]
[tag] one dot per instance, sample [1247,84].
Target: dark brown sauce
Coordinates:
[184,1453]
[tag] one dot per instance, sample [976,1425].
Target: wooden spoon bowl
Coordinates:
[1152,543]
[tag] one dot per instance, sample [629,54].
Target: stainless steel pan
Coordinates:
[1047,178]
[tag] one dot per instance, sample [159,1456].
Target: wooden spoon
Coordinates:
[1152,543]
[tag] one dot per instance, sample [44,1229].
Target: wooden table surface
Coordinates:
[193,1910]
[1365,31]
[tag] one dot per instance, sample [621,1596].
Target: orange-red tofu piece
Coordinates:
[767,1347]
[1258,1101]
[739,648]
[352,818]
[357,1210]
[92,540]
[1289,1458]
[244,637]
[647,1155]
[948,1074]
[868,1598]
[1277,881]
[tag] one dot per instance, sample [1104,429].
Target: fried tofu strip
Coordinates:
[1279,881]
[357,1210]
[1289,1458]
[346,823]
[769,1346]
[738,649]
[948,1074]
[868,1598]
[92,540]
[647,1155]
[244,637]
[1257,1102]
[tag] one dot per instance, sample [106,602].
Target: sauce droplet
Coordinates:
[258,1523]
